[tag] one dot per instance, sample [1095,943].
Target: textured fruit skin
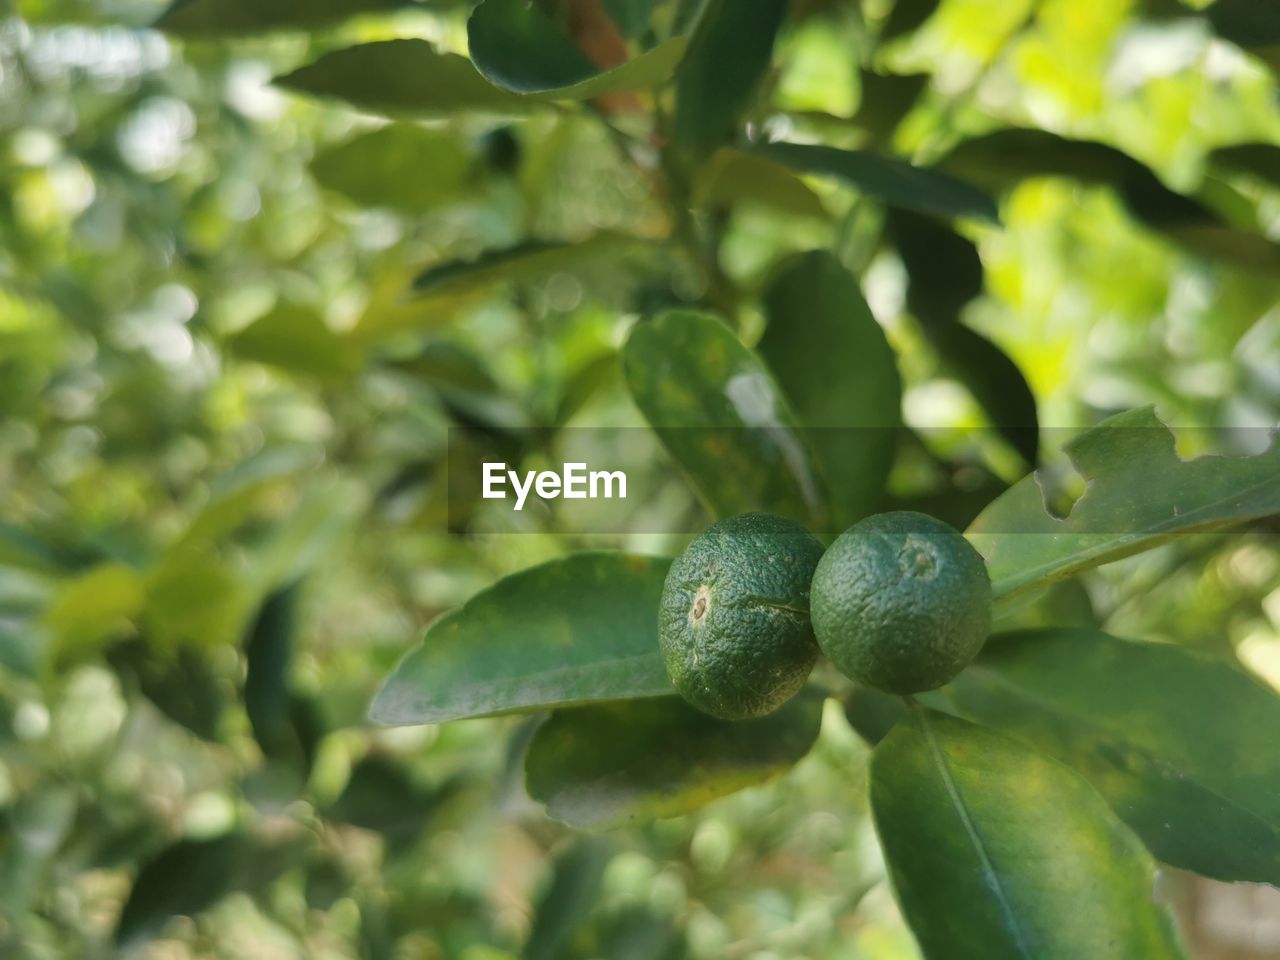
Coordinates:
[734,620]
[901,602]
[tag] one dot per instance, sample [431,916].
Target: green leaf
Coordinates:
[716,83]
[997,852]
[184,879]
[1261,160]
[583,384]
[568,899]
[517,46]
[20,647]
[885,100]
[614,764]
[995,382]
[381,795]
[198,18]
[888,179]
[403,78]
[183,684]
[1000,160]
[945,274]
[653,68]
[872,714]
[401,166]
[94,606]
[839,373]
[1180,744]
[268,654]
[26,551]
[239,493]
[945,267]
[1122,512]
[522,262]
[393,310]
[732,177]
[1250,24]
[295,338]
[313,531]
[720,414]
[573,630]
[907,16]
[37,824]
[1197,228]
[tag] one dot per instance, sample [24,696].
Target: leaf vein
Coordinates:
[988,866]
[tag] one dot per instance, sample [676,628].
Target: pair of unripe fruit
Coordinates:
[900,602]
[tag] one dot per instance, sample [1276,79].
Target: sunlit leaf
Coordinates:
[569,631]
[1200,786]
[997,852]
[94,606]
[718,411]
[614,764]
[1122,512]
[295,338]
[401,166]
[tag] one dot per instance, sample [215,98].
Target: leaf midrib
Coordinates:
[994,882]
[449,706]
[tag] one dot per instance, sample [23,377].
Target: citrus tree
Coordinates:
[1020,805]
[747,238]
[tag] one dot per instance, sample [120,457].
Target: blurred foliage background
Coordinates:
[223,428]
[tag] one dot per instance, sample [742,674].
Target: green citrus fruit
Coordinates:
[734,619]
[901,602]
